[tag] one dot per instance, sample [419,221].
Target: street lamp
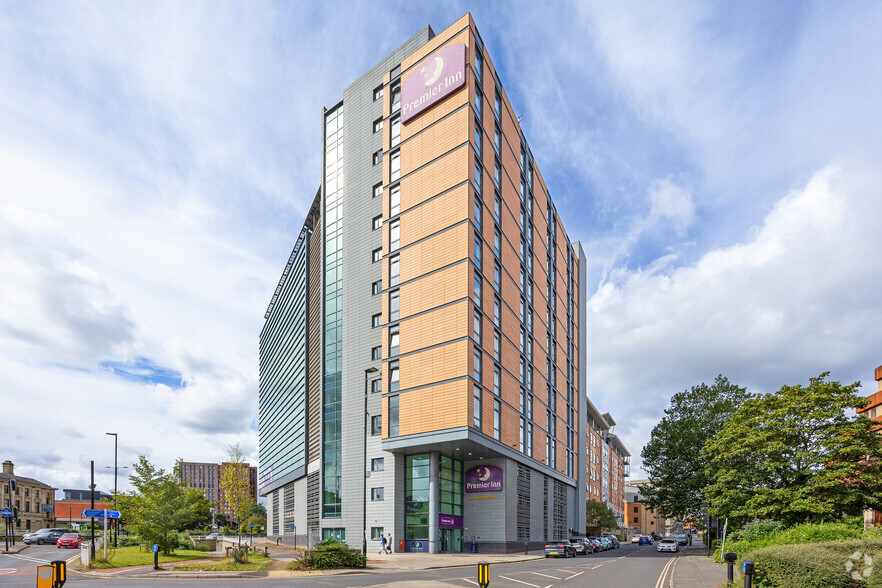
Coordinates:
[115,469]
[367,372]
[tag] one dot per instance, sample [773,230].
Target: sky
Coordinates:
[719,162]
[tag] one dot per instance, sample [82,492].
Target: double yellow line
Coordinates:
[667,573]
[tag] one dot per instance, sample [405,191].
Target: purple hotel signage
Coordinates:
[454,521]
[484,479]
[440,74]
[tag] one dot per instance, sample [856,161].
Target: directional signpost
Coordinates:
[7,514]
[105,514]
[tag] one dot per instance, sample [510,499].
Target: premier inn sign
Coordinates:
[433,79]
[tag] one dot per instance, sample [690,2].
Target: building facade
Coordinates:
[640,520]
[421,361]
[607,462]
[34,500]
[207,478]
[873,410]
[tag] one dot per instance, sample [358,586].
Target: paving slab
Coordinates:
[694,569]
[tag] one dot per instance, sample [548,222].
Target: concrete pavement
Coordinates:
[694,569]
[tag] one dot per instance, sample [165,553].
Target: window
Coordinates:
[378,93]
[497,345]
[376,352]
[393,383]
[479,104]
[377,425]
[393,414]
[395,200]
[377,254]
[476,328]
[477,289]
[376,320]
[478,249]
[338,534]
[376,532]
[396,97]
[497,275]
[479,177]
[395,166]
[636,510]
[377,464]
[497,242]
[497,310]
[497,104]
[378,157]
[394,305]
[497,173]
[497,205]
[479,217]
[378,190]
[497,410]
[377,287]
[497,140]
[636,519]
[376,494]
[479,66]
[378,125]
[394,340]
[394,270]
[479,143]
[476,372]
[396,132]
[377,222]
[394,235]
[523,435]
[376,385]
[476,407]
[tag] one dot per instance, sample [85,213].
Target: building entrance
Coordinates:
[450,541]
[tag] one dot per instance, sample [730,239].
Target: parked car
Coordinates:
[562,548]
[614,540]
[607,545]
[44,536]
[69,540]
[668,544]
[681,539]
[645,540]
[636,538]
[595,544]
[582,546]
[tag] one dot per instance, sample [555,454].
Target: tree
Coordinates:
[236,486]
[161,505]
[599,516]
[672,459]
[796,455]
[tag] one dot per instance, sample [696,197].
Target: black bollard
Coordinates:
[748,573]
[730,559]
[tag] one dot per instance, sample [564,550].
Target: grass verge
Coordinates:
[256,562]
[133,556]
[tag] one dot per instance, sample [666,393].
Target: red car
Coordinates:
[69,540]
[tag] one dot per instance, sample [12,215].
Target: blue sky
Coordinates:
[720,162]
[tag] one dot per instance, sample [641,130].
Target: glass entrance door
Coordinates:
[450,541]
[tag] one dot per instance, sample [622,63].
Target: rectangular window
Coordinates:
[377,222]
[378,190]
[497,417]
[476,407]
[376,320]
[376,385]
[394,200]
[497,242]
[479,67]
[377,287]
[396,97]
[497,310]
[497,140]
[478,249]
[377,425]
[530,439]
[523,435]
[396,132]
[378,125]
[376,494]
[497,380]
[395,166]
[477,365]
[394,305]
[476,327]
[378,157]
[377,464]
[479,143]
[376,352]
[394,340]
[479,104]
[479,178]
[393,414]
[477,290]
[497,276]
[497,205]
[497,173]
[497,104]
[497,345]
[393,381]
[394,270]
[479,216]
[394,235]
[377,254]
[378,93]
[377,532]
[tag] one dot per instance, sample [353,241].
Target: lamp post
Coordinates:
[367,372]
[115,469]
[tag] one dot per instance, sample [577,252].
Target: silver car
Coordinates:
[44,536]
[668,544]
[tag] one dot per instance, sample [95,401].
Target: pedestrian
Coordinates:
[383,545]
[389,543]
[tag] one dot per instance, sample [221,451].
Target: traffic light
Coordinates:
[14,513]
[12,486]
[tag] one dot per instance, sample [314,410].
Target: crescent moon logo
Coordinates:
[485,476]
[439,68]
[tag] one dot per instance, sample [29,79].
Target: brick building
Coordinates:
[34,499]
[206,477]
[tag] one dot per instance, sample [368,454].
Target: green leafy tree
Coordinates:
[236,486]
[796,455]
[599,516]
[673,460]
[161,505]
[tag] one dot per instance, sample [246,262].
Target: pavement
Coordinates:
[694,569]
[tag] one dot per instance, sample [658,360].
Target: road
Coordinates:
[631,566]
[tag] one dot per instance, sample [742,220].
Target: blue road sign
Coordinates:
[155,548]
[6,513]
[251,525]
[99,514]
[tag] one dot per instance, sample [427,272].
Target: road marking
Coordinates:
[519,581]
[547,576]
[470,581]
[8,571]
[27,558]
[574,575]
[661,578]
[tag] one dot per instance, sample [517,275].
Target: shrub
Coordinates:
[332,554]
[805,533]
[757,529]
[128,541]
[816,565]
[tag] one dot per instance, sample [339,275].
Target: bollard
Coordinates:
[483,574]
[748,573]
[526,548]
[155,549]
[60,575]
[730,559]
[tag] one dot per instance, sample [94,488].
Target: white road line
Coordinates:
[547,576]
[8,571]
[519,581]
[27,558]
[673,567]
[470,581]
[574,575]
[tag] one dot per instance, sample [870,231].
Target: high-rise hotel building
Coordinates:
[422,361]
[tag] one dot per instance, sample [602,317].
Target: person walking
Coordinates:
[383,546]
[389,543]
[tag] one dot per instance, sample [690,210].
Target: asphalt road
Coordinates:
[631,566]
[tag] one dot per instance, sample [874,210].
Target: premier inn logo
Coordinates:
[484,479]
[433,79]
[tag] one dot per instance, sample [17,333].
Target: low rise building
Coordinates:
[874,409]
[34,500]
[207,477]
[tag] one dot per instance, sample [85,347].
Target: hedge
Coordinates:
[817,565]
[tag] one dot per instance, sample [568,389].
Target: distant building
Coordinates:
[69,512]
[639,519]
[874,408]
[207,478]
[35,500]
[70,494]
[608,463]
